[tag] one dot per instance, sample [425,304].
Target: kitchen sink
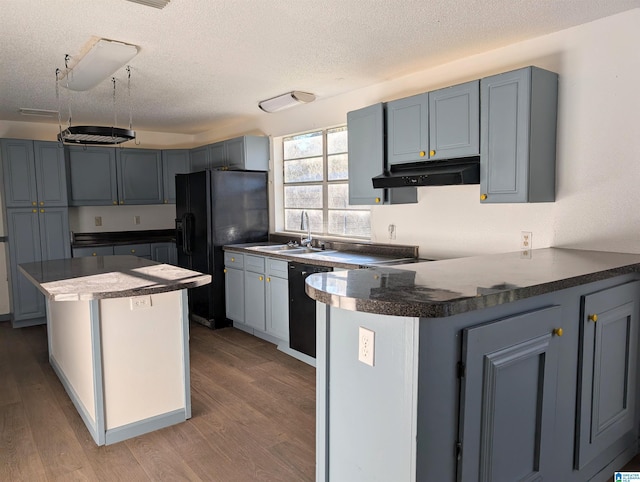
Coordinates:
[285,248]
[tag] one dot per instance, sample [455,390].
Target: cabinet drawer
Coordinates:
[254,263]
[142,250]
[93,251]
[278,267]
[235,260]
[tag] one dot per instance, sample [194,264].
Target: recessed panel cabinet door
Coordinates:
[92,176]
[51,174]
[608,371]
[174,161]
[508,398]
[408,129]
[366,154]
[19,173]
[140,176]
[55,239]
[234,294]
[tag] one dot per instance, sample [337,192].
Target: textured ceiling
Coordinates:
[203,61]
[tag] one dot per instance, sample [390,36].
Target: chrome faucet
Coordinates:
[305,241]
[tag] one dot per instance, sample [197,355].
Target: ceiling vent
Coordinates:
[152,3]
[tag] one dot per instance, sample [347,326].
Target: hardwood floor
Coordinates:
[253,418]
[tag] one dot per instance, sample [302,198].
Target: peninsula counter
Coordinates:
[118,337]
[516,366]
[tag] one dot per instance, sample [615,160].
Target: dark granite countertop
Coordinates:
[100,277]
[112,238]
[450,287]
[328,258]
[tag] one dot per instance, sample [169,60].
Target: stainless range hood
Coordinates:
[431,173]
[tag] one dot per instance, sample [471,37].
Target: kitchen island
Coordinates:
[518,366]
[118,338]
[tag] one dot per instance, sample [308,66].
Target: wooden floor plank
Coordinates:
[252,418]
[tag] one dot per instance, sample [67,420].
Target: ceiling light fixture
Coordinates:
[96,135]
[99,63]
[285,101]
[38,112]
[152,3]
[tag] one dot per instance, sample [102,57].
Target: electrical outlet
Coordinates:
[526,240]
[98,220]
[366,346]
[392,231]
[136,220]
[140,302]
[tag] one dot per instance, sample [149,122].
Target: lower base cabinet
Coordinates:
[257,296]
[542,388]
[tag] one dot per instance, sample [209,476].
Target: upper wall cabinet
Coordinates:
[250,153]
[174,161]
[34,173]
[101,176]
[407,129]
[139,176]
[454,121]
[92,176]
[366,154]
[518,140]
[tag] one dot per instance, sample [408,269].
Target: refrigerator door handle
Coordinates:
[187,233]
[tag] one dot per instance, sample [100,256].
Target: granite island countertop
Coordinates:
[450,287]
[98,277]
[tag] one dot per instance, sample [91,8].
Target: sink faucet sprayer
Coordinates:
[305,217]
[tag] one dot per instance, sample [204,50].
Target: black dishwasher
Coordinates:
[302,309]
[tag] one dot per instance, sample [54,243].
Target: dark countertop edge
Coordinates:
[113,238]
[306,259]
[431,309]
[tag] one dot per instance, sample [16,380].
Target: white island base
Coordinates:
[123,361]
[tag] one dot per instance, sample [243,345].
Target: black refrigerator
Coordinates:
[213,209]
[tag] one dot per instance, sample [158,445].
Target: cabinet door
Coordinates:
[51,177]
[24,247]
[249,153]
[199,158]
[366,154]
[142,250]
[234,294]
[608,371]
[518,136]
[175,161]
[278,307]
[254,300]
[55,242]
[166,253]
[407,129]
[19,173]
[92,176]
[140,176]
[508,398]
[217,155]
[454,121]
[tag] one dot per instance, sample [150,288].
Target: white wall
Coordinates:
[598,154]
[121,218]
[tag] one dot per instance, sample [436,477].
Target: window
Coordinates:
[316,181]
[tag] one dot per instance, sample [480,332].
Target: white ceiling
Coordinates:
[205,61]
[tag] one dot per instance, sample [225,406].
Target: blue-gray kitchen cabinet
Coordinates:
[234,287]
[164,253]
[92,176]
[139,176]
[254,292]
[199,158]
[518,136]
[35,234]
[217,155]
[366,154]
[34,173]
[508,398]
[142,250]
[407,129]
[454,121]
[608,372]
[174,161]
[249,153]
[93,251]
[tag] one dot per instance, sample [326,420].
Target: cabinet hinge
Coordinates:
[458,451]
[461,369]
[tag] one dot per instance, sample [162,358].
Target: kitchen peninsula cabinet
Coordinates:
[518,139]
[34,174]
[480,374]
